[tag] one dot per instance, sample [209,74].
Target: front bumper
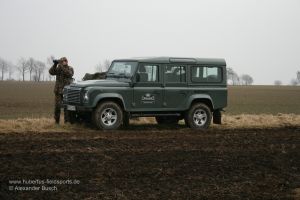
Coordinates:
[77,108]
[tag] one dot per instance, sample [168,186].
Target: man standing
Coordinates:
[64,74]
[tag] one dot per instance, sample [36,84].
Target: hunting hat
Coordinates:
[63,59]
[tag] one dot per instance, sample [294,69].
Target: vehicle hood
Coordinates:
[102,83]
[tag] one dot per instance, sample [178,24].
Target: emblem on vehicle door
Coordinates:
[148,98]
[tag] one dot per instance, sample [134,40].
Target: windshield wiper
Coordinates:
[121,75]
[111,74]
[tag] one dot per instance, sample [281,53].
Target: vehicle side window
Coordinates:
[174,74]
[147,73]
[206,74]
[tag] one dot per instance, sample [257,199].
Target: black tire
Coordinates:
[103,120]
[202,122]
[167,120]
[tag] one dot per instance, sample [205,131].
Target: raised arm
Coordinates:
[53,70]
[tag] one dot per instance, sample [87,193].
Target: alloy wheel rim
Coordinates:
[109,116]
[200,117]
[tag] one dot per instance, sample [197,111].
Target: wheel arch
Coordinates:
[117,98]
[202,98]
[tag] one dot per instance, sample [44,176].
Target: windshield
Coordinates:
[122,69]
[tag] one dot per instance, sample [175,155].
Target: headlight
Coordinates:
[85,96]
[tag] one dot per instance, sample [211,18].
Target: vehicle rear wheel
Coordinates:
[198,116]
[167,120]
[108,115]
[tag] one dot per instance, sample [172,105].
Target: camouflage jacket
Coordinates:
[63,75]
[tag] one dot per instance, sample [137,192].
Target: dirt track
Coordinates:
[154,163]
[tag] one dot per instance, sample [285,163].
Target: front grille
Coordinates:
[72,95]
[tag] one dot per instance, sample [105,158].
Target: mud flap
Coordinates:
[217,117]
[126,119]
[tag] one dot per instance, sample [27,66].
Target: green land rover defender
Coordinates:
[169,89]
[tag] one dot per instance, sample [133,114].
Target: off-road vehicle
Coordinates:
[169,89]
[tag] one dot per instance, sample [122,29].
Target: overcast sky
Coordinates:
[256,37]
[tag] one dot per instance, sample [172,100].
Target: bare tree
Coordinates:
[3,67]
[49,64]
[31,67]
[103,66]
[246,79]
[106,64]
[98,67]
[232,77]
[277,82]
[22,67]
[11,70]
[294,82]
[42,67]
[39,68]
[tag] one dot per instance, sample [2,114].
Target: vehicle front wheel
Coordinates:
[198,116]
[108,115]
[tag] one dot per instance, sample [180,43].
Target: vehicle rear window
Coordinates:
[174,74]
[203,74]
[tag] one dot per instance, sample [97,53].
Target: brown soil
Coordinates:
[151,162]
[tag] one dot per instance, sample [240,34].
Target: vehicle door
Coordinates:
[175,91]
[147,89]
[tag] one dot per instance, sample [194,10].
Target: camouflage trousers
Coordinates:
[57,108]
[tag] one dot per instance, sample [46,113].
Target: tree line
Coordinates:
[245,79]
[31,69]
[103,66]
[36,69]
[294,81]
[234,79]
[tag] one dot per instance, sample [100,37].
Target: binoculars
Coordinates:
[56,61]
